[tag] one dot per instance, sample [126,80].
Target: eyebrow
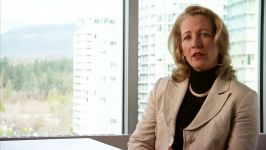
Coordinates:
[186,32]
[183,34]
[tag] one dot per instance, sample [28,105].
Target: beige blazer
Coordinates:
[228,119]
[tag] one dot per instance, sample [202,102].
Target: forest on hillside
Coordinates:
[36,97]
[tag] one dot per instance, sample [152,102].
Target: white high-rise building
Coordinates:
[97,91]
[242,24]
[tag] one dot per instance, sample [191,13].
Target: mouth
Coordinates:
[197,54]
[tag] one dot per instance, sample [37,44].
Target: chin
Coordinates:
[200,68]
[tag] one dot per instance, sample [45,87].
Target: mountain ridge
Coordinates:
[38,41]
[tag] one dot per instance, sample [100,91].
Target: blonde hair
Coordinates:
[221,38]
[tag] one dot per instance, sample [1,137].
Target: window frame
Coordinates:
[262,65]
[130,70]
[130,27]
[261,62]
[130,109]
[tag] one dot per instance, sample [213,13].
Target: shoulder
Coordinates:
[161,84]
[243,95]
[165,81]
[237,86]
[164,84]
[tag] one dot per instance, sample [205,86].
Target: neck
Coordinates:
[202,81]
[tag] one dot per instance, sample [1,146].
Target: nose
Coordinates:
[196,43]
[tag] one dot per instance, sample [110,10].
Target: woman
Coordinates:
[201,106]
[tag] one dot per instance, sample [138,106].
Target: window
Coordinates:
[67,74]
[61,67]
[241,18]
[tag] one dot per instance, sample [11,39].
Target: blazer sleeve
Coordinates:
[245,125]
[143,138]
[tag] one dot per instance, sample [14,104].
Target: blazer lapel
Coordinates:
[213,104]
[173,98]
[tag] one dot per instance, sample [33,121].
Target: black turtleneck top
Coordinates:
[200,82]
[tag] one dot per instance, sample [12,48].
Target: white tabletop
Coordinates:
[55,144]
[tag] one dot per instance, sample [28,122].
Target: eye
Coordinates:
[187,37]
[205,34]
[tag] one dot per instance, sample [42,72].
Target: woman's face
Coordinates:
[198,43]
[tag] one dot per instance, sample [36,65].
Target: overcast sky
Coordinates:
[16,13]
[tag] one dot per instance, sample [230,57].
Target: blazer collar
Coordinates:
[174,95]
[214,102]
